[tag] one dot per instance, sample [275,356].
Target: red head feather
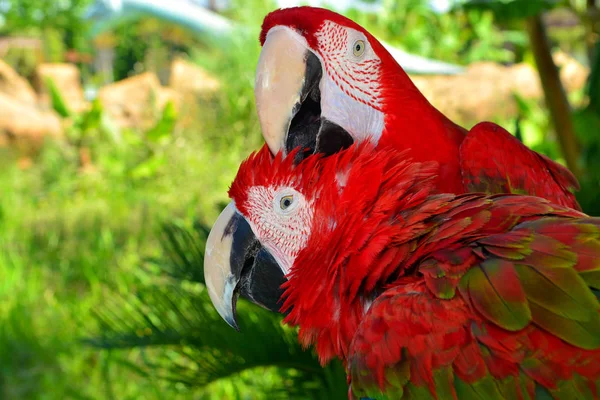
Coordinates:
[353,191]
[318,172]
[262,169]
[306,20]
[410,121]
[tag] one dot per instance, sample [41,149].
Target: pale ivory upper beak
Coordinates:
[280,77]
[220,279]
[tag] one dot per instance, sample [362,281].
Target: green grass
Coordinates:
[74,255]
[70,239]
[65,238]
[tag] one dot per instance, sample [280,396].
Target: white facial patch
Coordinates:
[350,88]
[341,178]
[283,232]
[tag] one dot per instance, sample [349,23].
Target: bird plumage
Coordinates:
[439,295]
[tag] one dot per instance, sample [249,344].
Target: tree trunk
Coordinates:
[554,93]
[591,15]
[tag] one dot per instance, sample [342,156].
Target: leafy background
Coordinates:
[102,290]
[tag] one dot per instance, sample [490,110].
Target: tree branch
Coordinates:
[590,16]
[554,93]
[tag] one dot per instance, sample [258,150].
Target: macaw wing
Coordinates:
[523,320]
[494,161]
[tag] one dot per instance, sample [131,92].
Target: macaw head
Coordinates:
[319,222]
[324,82]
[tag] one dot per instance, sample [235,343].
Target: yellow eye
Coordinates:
[286,202]
[358,48]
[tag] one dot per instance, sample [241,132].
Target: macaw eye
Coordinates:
[286,202]
[358,48]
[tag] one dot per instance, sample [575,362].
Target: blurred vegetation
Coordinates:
[102,293]
[58,24]
[461,37]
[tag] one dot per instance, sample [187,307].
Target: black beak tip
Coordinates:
[231,321]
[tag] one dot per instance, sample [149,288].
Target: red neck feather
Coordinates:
[327,290]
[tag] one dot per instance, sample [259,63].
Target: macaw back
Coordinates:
[428,295]
[497,301]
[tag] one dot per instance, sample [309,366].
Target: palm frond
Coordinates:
[184,340]
[183,251]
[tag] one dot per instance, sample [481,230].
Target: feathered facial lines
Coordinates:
[335,202]
[325,218]
[356,183]
[306,20]
[344,102]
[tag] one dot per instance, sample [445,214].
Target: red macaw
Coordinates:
[324,82]
[422,295]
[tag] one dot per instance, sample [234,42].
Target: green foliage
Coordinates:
[463,36]
[58,103]
[24,14]
[165,125]
[46,18]
[120,154]
[157,136]
[587,127]
[71,236]
[194,346]
[148,44]
[55,249]
[510,9]
[234,111]
[593,84]
[535,130]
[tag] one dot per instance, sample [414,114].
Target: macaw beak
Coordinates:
[235,263]
[288,97]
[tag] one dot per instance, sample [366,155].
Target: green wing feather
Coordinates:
[537,279]
[495,291]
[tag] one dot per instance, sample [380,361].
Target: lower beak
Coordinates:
[287,72]
[235,263]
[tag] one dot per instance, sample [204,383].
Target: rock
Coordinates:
[486,90]
[189,77]
[25,163]
[136,102]
[20,122]
[67,79]
[195,86]
[524,80]
[15,86]
[480,93]
[572,74]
